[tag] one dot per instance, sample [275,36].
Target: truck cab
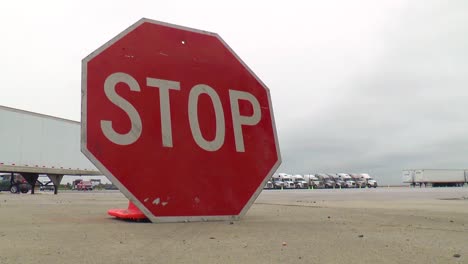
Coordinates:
[360,181]
[347,179]
[268,184]
[300,182]
[286,179]
[288,182]
[313,181]
[371,182]
[339,183]
[277,181]
[327,181]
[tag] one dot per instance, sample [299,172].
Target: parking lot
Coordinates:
[383,225]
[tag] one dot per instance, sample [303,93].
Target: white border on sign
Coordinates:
[102,168]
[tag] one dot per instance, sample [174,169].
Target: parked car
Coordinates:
[14,182]
[47,187]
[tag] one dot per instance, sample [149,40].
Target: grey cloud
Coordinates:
[407,111]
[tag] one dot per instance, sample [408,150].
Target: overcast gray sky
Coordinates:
[357,86]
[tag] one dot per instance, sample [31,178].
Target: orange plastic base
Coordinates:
[131,213]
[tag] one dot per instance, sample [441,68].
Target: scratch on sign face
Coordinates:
[156,201]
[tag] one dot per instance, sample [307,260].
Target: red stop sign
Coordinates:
[178,122]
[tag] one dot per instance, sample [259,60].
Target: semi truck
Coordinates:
[34,144]
[371,182]
[283,180]
[339,183]
[313,181]
[300,182]
[288,182]
[361,182]
[327,181]
[435,177]
[268,184]
[348,181]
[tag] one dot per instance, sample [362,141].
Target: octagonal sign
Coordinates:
[178,123]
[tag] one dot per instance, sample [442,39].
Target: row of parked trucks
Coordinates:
[321,181]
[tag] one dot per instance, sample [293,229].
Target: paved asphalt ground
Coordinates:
[383,225]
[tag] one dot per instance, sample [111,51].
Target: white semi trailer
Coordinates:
[408,176]
[32,144]
[435,177]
